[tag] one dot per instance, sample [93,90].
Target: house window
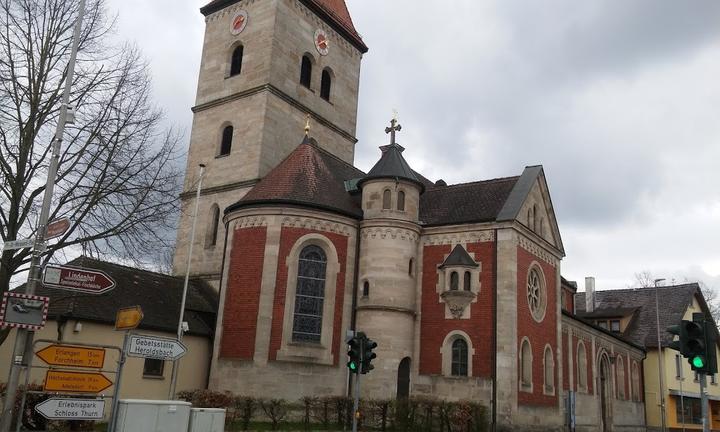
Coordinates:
[153,368]
[582,367]
[212,229]
[309,295]
[615,325]
[693,410]
[401,201]
[226,142]
[602,324]
[620,365]
[525,365]
[306,71]
[466,281]
[454,281]
[236,61]
[536,295]
[549,365]
[325,83]
[386,199]
[459,365]
[366,289]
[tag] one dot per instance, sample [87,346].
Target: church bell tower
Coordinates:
[266,65]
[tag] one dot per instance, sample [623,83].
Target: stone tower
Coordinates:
[390,235]
[267,65]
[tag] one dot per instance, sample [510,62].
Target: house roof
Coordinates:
[334,12]
[158,295]
[309,176]
[642,329]
[459,257]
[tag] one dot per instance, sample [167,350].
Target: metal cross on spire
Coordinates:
[394,127]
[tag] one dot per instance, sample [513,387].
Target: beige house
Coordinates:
[77,318]
[630,313]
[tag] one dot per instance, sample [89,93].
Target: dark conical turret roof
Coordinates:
[459,257]
[392,165]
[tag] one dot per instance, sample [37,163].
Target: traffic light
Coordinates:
[680,331]
[355,354]
[696,343]
[368,355]
[711,339]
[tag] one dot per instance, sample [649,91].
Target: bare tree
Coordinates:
[118,177]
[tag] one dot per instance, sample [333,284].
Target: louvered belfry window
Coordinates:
[309,295]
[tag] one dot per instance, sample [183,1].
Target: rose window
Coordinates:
[536,295]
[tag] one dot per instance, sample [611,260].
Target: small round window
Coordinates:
[536,295]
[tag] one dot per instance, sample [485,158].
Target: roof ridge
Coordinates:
[333,156]
[473,183]
[165,275]
[642,288]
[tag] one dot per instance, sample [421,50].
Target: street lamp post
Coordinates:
[661,368]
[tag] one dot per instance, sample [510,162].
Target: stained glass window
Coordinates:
[309,295]
[459,365]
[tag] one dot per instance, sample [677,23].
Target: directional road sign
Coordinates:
[23,311]
[156,347]
[128,318]
[57,228]
[77,279]
[68,355]
[75,382]
[19,244]
[72,409]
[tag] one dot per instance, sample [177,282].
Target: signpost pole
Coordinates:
[24,337]
[704,403]
[176,363]
[118,380]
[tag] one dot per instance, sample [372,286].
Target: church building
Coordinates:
[460,285]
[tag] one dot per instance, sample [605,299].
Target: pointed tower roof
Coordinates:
[308,177]
[459,257]
[392,164]
[334,12]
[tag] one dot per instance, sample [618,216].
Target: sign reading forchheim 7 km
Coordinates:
[155,347]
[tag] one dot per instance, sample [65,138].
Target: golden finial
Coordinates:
[307,125]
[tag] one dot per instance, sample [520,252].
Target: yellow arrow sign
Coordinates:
[76,382]
[66,355]
[128,318]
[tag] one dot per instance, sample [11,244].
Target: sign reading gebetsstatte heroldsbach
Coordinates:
[155,347]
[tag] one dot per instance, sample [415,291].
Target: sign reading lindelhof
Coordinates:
[77,279]
[156,347]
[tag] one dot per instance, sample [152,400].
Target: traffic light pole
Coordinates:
[356,403]
[704,402]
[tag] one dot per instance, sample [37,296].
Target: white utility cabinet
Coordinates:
[138,415]
[207,420]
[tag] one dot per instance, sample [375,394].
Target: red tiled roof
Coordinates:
[309,176]
[334,11]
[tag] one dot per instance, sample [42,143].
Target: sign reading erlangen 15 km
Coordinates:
[77,279]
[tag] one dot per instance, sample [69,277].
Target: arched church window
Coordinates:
[226,142]
[309,295]
[542,227]
[212,230]
[401,201]
[459,366]
[467,281]
[535,221]
[620,365]
[549,365]
[581,367]
[530,219]
[306,71]
[454,281]
[236,61]
[525,365]
[635,376]
[325,84]
[366,289]
[386,199]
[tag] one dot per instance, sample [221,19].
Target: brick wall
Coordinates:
[540,334]
[434,327]
[288,238]
[242,293]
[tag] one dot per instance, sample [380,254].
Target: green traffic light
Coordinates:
[352,365]
[698,362]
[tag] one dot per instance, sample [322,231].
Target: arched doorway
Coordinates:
[403,379]
[605,392]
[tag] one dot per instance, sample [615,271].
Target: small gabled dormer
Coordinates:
[459,282]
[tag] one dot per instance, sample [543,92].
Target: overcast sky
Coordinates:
[618,100]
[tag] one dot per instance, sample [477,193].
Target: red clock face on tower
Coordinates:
[239,22]
[322,44]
